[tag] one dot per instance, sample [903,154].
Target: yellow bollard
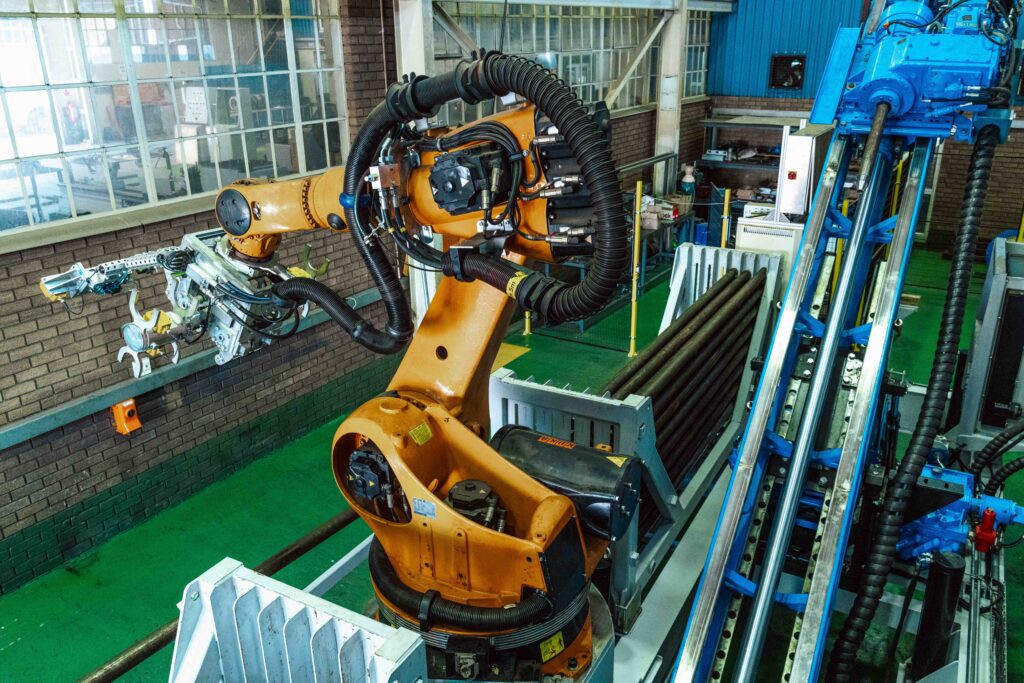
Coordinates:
[637,220]
[1020,232]
[528,324]
[725,217]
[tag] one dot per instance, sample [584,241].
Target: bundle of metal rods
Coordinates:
[692,372]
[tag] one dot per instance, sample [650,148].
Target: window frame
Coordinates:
[329,114]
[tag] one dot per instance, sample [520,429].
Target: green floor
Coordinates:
[64,624]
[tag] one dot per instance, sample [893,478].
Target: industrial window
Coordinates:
[120,103]
[698,47]
[788,71]
[589,47]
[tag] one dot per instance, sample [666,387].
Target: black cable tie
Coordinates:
[426,605]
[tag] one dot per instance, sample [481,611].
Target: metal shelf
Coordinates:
[738,165]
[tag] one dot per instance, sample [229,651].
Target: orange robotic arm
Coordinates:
[490,564]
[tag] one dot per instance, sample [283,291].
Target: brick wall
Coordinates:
[691,132]
[1004,203]
[65,491]
[633,140]
[763,103]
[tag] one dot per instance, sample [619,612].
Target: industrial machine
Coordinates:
[490,550]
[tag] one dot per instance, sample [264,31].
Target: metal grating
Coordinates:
[237,625]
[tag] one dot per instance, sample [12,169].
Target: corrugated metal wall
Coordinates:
[743,42]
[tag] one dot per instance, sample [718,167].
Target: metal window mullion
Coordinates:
[242,129]
[340,91]
[124,37]
[293,83]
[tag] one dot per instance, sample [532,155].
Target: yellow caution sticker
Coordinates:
[513,284]
[421,433]
[552,646]
[619,460]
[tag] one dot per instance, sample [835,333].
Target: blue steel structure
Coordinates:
[916,72]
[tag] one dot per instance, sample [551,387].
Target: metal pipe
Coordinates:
[670,332]
[692,328]
[163,636]
[789,502]
[667,415]
[867,163]
[750,294]
[637,227]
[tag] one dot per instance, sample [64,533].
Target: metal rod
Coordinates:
[637,227]
[867,162]
[158,639]
[726,218]
[703,613]
[670,333]
[789,502]
[814,628]
[644,374]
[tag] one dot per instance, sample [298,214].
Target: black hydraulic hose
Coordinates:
[1002,474]
[996,447]
[551,300]
[434,609]
[302,289]
[883,551]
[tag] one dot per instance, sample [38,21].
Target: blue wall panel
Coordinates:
[743,42]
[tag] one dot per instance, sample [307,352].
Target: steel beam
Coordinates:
[615,89]
[452,28]
[713,578]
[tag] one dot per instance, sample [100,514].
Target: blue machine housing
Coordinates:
[949,527]
[937,75]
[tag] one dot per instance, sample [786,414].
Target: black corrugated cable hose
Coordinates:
[435,609]
[1002,474]
[995,448]
[883,551]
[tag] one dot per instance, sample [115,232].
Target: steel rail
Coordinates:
[699,628]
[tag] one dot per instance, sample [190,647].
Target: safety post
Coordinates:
[528,324]
[1020,231]
[725,217]
[637,225]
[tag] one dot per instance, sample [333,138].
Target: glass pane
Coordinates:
[87,177]
[201,169]
[73,118]
[149,50]
[183,45]
[47,192]
[126,177]
[329,35]
[314,145]
[32,122]
[6,147]
[213,39]
[252,110]
[325,8]
[305,42]
[310,106]
[193,108]
[168,172]
[13,5]
[226,151]
[222,98]
[157,110]
[275,45]
[12,204]
[112,107]
[18,38]
[103,49]
[96,6]
[331,83]
[279,88]
[334,150]
[245,39]
[274,6]
[62,6]
[285,150]
[209,6]
[241,7]
[257,146]
[64,62]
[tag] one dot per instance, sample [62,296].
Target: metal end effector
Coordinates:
[211,292]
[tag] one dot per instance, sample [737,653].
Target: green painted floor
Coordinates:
[64,624]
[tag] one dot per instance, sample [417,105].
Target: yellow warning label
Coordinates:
[552,646]
[513,284]
[421,433]
[619,460]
